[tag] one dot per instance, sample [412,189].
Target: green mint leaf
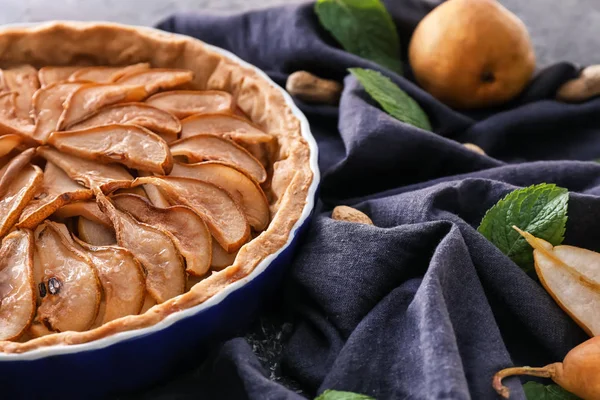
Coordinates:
[537,391]
[364,28]
[336,395]
[539,209]
[392,99]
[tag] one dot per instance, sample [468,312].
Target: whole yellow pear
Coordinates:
[472,53]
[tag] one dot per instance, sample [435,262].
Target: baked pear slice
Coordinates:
[207,147]
[95,232]
[17,290]
[130,145]
[69,288]
[11,122]
[48,107]
[122,278]
[224,218]
[189,232]
[229,126]
[157,79]
[23,80]
[85,172]
[57,190]
[152,247]
[91,97]
[8,143]
[242,188]
[51,74]
[183,103]
[10,171]
[157,120]
[86,209]
[220,258]
[571,275]
[19,193]
[154,194]
[104,74]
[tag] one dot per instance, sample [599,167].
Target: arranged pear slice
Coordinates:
[130,145]
[149,302]
[17,290]
[70,291]
[8,143]
[183,103]
[224,218]
[91,97]
[220,258]
[207,147]
[243,189]
[152,247]
[57,189]
[156,79]
[122,278]
[48,107]
[87,209]
[156,197]
[85,172]
[49,75]
[188,230]
[10,171]
[106,74]
[10,121]
[141,114]
[229,126]
[19,193]
[95,233]
[24,81]
[571,275]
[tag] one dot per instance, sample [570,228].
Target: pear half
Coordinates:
[183,103]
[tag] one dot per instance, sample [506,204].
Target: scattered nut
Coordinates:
[475,148]
[349,214]
[587,85]
[310,88]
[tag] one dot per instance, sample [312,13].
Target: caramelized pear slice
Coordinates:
[152,247]
[91,97]
[56,191]
[23,80]
[220,258]
[10,171]
[571,275]
[106,74]
[10,121]
[49,75]
[156,197]
[8,143]
[149,302]
[141,114]
[188,230]
[19,193]
[48,107]
[17,291]
[130,145]
[207,147]
[243,189]
[95,233]
[183,103]
[229,126]
[71,294]
[156,79]
[85,172]
[122,278]
[87,209]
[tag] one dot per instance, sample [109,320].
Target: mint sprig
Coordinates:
[337,395]
[364,28]
[537,391]
[540,210]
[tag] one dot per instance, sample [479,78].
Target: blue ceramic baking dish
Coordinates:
[131,360]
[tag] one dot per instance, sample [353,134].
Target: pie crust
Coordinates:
[91,44]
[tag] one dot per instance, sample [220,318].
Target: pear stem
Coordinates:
[545,372]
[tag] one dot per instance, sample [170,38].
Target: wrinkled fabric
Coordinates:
[419,306]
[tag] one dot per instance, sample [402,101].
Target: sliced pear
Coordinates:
[95,233]
[224,218]
[49,75]
[243,189]
[106,74]
[192,281]
[87,209]
[71,294]
[188,230]
[229,126]
[91,97]
[130,145]
[10,171]
[48,107]
[183,103]
[152,247]
[141,114]
[10,121]
[85,172]
[149,302]
[138,191]
[156,79]
[571,275]
[156,197]
[19,193]
[207,147]
[23,80]
[122,278]
[57,189]
[220,258]
[17,290]
[8,143]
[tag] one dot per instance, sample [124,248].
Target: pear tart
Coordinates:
[135,182]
